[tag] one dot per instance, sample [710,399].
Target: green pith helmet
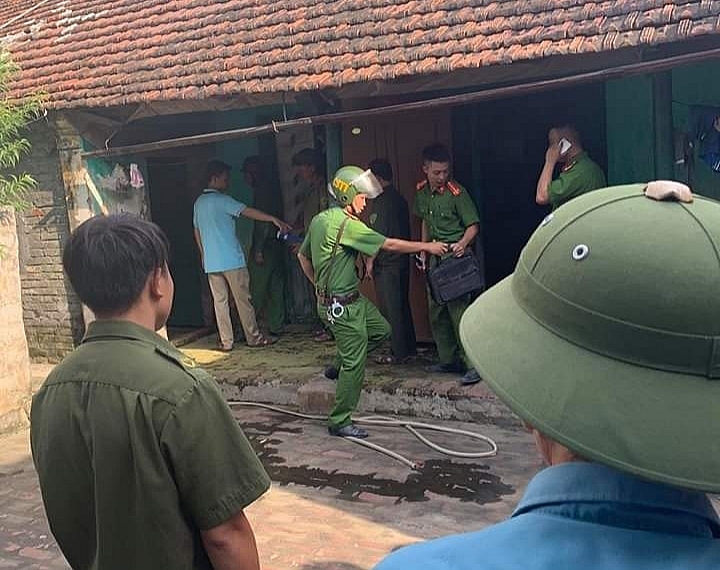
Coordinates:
[606,338]
[350,181]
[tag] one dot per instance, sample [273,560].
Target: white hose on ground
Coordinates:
[382,421]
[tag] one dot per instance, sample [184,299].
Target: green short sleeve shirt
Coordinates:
[341,278]
[137,452]
[448,213]
[581,176]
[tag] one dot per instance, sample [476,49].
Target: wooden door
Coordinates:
[400,139]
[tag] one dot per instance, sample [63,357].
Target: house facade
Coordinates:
[141,94]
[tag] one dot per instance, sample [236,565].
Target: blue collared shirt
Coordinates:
[583,516]
[214,217]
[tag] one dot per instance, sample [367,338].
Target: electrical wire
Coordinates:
[383,421]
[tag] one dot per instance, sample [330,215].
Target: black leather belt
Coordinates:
[343,300]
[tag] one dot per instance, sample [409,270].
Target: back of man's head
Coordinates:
[382,169]
[215,169]
[569,132]
[108,260]
[308,157]
[436,152]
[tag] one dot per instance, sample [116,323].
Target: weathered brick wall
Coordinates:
[51,311]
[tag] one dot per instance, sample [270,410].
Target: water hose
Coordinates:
[382,421]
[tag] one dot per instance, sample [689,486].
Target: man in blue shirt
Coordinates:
[606,342]
[222,255]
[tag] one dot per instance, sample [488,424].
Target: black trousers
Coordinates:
[392,286]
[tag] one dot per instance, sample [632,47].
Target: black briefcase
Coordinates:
[454,277]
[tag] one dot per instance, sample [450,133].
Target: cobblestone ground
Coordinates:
[333,506]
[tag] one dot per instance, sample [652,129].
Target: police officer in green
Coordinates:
[448,215]
[328,258]
[266,263]
[141,463]
[578,173]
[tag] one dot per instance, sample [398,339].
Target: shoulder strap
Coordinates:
[324,290]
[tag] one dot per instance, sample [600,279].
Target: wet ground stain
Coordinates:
[467,482]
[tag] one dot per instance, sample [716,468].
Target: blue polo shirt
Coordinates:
[583,516]
[214,217]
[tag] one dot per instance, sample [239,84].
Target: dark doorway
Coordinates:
[171,207]
[499,153]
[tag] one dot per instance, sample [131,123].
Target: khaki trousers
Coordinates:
[238,280]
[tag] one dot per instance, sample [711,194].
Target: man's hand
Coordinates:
[282,226]
[259,257]
[457,249]
[369,268]
[436,248]
[553,154]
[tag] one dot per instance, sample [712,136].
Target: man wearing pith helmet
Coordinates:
[328,255]
[606,342]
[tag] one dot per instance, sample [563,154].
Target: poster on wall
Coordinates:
[116,187]
[704,135]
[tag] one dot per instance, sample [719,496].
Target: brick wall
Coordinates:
[51,311]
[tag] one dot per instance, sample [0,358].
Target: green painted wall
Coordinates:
[630,130]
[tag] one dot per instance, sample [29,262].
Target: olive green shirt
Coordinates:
[580,176]
[342,277]
[137,452]
[446,214]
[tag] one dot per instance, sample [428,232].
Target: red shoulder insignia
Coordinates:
[420,185]
[454,187]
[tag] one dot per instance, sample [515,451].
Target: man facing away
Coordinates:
[141,463]
[617,378]
[222,255]
[327,256]
[391,271]
[578,173]
[448,215]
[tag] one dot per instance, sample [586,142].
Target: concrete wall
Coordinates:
[14,364]
[51,311]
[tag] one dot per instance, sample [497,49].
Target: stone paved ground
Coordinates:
[333,505]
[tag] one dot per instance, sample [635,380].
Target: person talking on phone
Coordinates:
[578,172]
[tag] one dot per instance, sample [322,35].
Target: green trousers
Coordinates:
[359,330]
[445,323]
[267,287]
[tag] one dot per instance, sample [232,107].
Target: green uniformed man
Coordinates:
[578,173]
[141,463]
[448,215]
[391,271]
[328,258]
[266,264]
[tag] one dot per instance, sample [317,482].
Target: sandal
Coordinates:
[385,359]
[322,336]
[264,341]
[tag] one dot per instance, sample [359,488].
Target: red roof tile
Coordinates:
[91,53]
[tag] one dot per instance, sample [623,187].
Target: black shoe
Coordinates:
[452,368]
[471,377]
[331,372]
[348,431]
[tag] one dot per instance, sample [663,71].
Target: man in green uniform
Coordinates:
[391,271]
[141,463]
[448,215]
[578,173]
[328,257]
[266,264]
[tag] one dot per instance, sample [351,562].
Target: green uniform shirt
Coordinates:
[137,451]
[580,176]
[447,214]
[390,217]
[318,247]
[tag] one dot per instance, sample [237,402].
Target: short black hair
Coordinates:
[108,260]
[382,168]
[309,157]
[436,152]
[216,168]
[569,130]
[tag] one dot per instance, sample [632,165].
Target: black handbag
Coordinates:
[454,277]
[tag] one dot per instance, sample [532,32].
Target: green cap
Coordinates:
[349,181]
[606,338]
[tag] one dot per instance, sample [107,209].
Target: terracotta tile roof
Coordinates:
[90,53]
